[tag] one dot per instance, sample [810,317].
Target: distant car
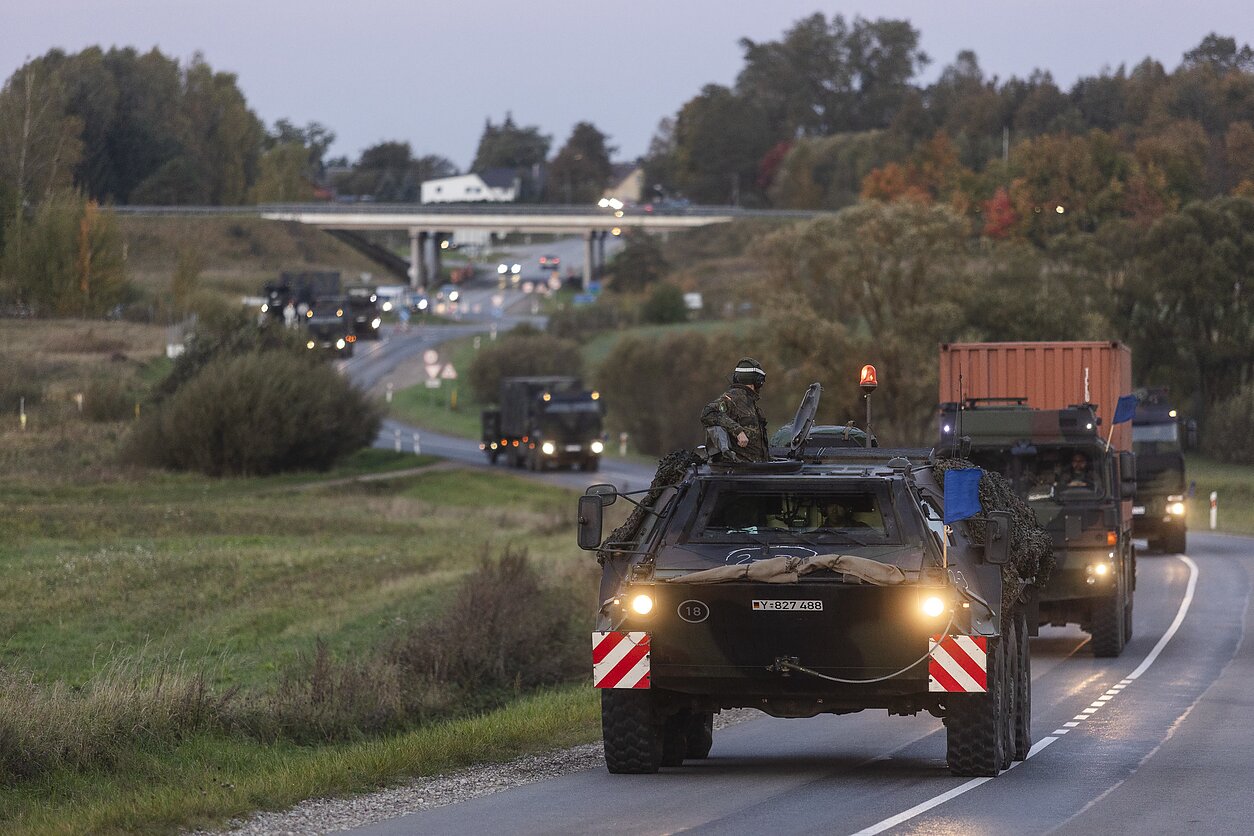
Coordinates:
[550,261]
[448,293]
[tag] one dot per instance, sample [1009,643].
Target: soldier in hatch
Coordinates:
[737,412]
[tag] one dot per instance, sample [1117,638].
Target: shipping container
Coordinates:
[1046,375]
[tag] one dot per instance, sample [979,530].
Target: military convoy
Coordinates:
[1040,414]
[827,580]
[334,320]
[543,423]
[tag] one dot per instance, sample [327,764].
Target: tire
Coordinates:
[675,739]
[632,734]
[1009,680]
[1108,618]
[1022,741]
[700,733]
[975,725]
[1176,542]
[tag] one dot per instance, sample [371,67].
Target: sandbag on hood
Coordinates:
[788,568]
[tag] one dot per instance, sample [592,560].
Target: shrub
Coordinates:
[665,306]
[514,356]
[257,414]
[656,388]
[19,382]
[1229,431]
[637,265]
[225,335]
[583,322]
[107,399]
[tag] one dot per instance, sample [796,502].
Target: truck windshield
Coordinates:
[1142,433]
[729,511]
[1050,475]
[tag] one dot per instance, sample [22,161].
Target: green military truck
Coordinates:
[544,423]
[1039,414]
[1160,508]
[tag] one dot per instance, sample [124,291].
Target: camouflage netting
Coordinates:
[670,469]
[1031,549]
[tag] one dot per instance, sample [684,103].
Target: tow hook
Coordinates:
[784,665]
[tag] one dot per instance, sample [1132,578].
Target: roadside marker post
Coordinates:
[1214,509]
[396,438]
[417,445]
[389,393]
[622,444]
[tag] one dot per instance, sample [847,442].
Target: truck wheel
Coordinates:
[632,734]
[1108,618]
[975,724]
[1009,687]
[1022,741]
[1177,541]
[700,735]
[493,455]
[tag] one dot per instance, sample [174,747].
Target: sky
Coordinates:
[431,73]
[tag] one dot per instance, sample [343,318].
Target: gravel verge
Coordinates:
[330,815]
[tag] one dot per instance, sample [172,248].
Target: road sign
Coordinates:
[433,383]
[431,356]
[433,370]
[448,373]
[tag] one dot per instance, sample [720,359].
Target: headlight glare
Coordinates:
[932,606]
[340,343]
[1176,509]
[597,446]
[642,604]
[549,448]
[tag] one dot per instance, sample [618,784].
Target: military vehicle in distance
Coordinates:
[545,422]
[327,328]
[823,582]
[362,306]
[1078,478]
[1160,507]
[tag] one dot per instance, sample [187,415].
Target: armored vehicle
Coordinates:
[826,581]
[1160,507]
[544,422]
[327,328]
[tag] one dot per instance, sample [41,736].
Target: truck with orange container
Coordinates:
[1044,416]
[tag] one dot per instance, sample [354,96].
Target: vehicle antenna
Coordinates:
[958,419]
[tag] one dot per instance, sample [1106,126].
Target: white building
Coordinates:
[495,185]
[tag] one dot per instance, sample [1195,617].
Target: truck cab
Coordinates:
[328,329]
[1080,492]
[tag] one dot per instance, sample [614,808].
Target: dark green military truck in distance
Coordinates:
[1160,507]
[543,423]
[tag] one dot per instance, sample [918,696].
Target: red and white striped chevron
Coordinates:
[620,660]
[958,665]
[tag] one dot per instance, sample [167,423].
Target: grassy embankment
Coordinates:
[149,621]
[1235,485]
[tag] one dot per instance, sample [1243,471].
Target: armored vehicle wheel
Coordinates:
[1108,620]
[632,734]
[700,735]
[1022,740]
[1009,648]
[976,724]
[675,739]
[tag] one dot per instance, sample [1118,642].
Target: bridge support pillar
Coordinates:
[587,259]
[417,259]
[601,253]
[437,266]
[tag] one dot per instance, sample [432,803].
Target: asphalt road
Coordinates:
[1156,741]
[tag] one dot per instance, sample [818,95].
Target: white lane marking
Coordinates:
[962,789]
[1070,725]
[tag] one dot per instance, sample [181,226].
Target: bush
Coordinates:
[19,384]
[665,306]
[257,414]
[514,356]
[583,322]
[1229,430]
[637,265]
[107,399]
[225,335]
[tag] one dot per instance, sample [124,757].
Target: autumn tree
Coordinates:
[581,169]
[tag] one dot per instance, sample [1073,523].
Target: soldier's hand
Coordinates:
[742,440]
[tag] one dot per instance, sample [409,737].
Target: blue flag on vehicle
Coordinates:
[1125,409]
[962,493]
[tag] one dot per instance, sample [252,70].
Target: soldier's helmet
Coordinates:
[748,371]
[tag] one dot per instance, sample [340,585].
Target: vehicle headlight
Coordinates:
[502,268]
[549,448]
[1176,509]
[452,297]
[422,304]
[597,446]
[1101,569]
[387,306]
[311,344]
[376,322]
[340,343]
[932,606]
[642,604]
[265,308]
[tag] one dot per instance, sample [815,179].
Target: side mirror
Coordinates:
[607,493]
[591,519]
[1127,475]
[997,538]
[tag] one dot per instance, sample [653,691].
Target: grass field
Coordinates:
[1235,485]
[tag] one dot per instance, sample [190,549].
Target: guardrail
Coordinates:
[455,210]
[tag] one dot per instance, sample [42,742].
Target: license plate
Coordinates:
[787,606]
[573,448]
[1138,510]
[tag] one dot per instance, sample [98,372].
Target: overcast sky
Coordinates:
[430,72]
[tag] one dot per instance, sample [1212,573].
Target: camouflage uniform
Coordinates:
[737,411]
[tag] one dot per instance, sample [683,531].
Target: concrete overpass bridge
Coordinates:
[426,224]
